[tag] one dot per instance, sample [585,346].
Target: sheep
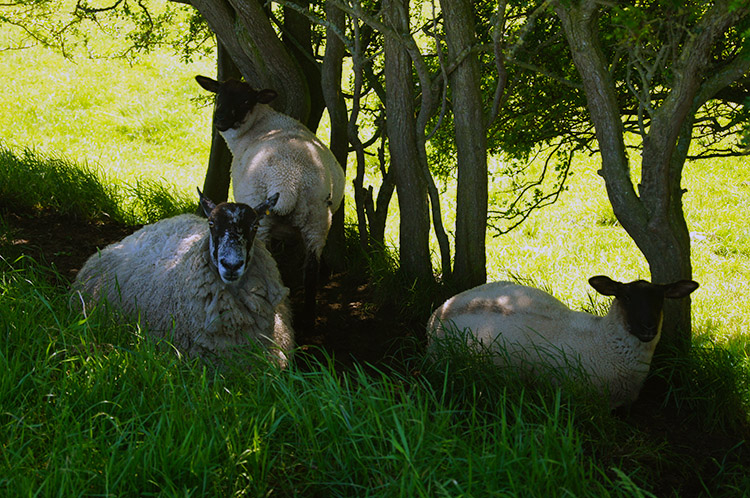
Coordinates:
[538,335]
[273,152]
[208,285]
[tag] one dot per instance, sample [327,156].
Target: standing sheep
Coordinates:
[208,285]
[538,334]
[272,152]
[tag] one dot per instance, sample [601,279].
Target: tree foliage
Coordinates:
[131,27]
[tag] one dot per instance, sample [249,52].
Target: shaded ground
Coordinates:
[350,326]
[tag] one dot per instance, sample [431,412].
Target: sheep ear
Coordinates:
[263,208]
[679,289]
[266,96]
[206,204]
[605,285]
[208,83]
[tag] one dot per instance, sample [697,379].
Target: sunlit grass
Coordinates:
[143,123]
[578,237]
[139,121]
[31,182]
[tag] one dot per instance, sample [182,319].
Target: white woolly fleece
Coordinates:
[163,272]
[272,152]
[536,330]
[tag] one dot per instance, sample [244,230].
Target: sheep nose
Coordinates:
[232,266]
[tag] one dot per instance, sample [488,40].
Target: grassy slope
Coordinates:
[562,246]
[134,122]
[89,405]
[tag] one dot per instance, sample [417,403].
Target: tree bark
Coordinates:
[246,32]
[221,18]
[334,253]
[654,220]
[471,146]
[297,38]
[378,208]
[360,194]
[216,183]
[414,251]
[654,217]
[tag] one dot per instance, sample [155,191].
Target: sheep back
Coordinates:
[539,335]
[162,273]
[279,154]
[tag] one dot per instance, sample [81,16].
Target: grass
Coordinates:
[30,182]
[142,120]
[89,405]
[578,237]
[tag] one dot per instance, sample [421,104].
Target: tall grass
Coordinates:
[31,182]
[90,405]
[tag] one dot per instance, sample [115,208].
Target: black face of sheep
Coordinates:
[233,227]
[642,302]
[234,100]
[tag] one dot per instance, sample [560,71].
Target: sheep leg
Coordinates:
[312,265]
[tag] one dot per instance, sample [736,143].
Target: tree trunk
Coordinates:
[471,145]
[334,253]
[378,208]
[246,32]
[297,38]
[222,20]
[667,246]
[216,183]
[654,220]
[414,250]
[281,71]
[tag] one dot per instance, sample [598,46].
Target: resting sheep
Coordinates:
[207,285]
[537,334]
[273,152]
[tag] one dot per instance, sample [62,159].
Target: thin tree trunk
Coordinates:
[216,183]
[334,253]
[297,38]
[414,251]
[378,208]
[471,145]
[360,193]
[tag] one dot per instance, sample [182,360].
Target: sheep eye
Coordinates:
[210,224]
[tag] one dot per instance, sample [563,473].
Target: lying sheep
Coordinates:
[207,285]
[539,335]
[272,152]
